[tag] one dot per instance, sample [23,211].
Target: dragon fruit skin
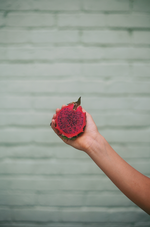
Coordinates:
[70,121]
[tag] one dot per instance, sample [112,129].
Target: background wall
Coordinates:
[52,52]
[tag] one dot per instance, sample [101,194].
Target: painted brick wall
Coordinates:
[52,52]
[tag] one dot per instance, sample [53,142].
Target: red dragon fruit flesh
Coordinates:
[71,120]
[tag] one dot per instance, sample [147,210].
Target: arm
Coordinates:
[132,183]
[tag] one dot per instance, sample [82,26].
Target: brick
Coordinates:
[27,102]
[25,119]
[97,86]
[132,151]
[74,53]
[61,199]
[61,167]
[81,20]
[49,215]
[16,199]
[106,37]
[16,5]
[57,183]
[70,224]
[50,167]
[46,5]
[38,152]
[141,70]
[41,69]
[36,215]
[106,69]
[141,37]
[129,20]
[126,136]
[106,5]
[135,53]
[104,53]
[106,199]
[37,36]
[3,53]
[2,20]
[143,6]
[40,53]
[106,103]
[15,103]
[141,224]
[47,136]
[13,136]
[121,119]
[29,20]
[90,199]
[5,214]
[54,36]
[130,214]
[102,215]
[13,36]
[57,5]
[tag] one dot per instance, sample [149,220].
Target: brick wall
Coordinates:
[52,52]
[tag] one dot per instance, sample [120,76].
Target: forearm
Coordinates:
[132,183]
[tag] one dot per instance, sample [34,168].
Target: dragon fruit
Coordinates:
[71,120]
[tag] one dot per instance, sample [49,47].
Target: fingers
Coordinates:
[54,116]
[57,110]
[53,125]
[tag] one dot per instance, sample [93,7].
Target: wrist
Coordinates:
[97,144]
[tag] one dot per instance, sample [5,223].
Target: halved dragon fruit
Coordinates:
[71,120]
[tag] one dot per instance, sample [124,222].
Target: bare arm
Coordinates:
[132,183]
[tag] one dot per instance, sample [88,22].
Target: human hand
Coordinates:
[85,140]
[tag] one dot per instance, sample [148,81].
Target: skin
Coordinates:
[132,183]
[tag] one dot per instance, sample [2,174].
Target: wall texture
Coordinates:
[52,52]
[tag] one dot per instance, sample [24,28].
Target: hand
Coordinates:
[84,141]
[132,183]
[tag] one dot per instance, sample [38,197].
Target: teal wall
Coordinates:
[52,52]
